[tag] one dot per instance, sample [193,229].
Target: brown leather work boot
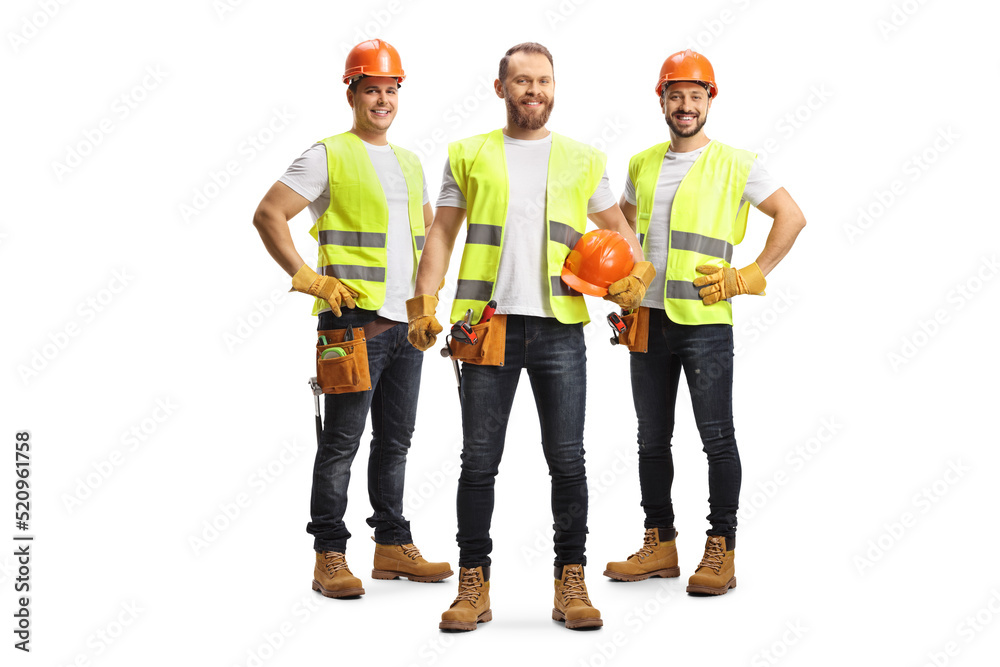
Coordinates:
[404,560]
[572,604]
[716,573]
[472,605]
[332,578]
[654,559]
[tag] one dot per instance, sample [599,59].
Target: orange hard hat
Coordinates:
[687,66]
[373,58]
[598,259]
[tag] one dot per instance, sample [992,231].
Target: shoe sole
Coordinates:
[390,574]
[666,573]
[466,626]
[345,593]
[708,590]
[578,623]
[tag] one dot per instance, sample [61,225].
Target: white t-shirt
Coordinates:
[759,187]
[522,286]
[309,177]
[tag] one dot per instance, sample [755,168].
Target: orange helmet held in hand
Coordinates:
[598,259]
[687,66]
[373,58]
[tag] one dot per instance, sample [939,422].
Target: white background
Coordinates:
[119,299]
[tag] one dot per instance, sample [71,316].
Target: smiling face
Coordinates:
[685,106]
[374,103]
[528,90]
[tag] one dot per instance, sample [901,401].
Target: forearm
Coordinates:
[782,236]
[630,212]
[614,219]
[434,260]
[277,238]
[633,242]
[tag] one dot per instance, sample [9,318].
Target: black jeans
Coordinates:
[394,366]
[555,357]
[705,352]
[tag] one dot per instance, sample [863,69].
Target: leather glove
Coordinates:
[327,288]
[722,283]
[423,327]
[629,291]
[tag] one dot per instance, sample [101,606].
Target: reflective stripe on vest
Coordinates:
[353,231]
[479,166]
[706,221]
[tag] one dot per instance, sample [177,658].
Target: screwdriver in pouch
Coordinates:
[488,311]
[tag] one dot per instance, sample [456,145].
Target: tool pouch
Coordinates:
[491,347]
[342,375]
[636,336]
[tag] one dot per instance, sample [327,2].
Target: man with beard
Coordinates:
[368,199]
[688,196]
[527,193]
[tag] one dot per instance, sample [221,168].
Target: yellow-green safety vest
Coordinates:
[352,233]
[706,221]
[479,166]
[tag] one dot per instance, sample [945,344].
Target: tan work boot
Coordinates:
[654,559]
[572,604]
[472,605]
[716,573]
[404,560]
[332,578]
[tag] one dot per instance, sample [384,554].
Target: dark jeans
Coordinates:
[555,357]
[705,352]
[394,366]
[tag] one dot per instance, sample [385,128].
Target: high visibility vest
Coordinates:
[353,232]
[706,221]
[479,166]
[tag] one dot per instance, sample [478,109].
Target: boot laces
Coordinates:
[648,544]
[713,555]
[334,562]
[574,587]
[411,551]
[469,587]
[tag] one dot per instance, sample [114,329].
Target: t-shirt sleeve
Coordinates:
[308,175]
[450,195]
[759,185]
[630,190]
[427,197]
[602,199]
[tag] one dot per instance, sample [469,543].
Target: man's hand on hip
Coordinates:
[327,288]
[722,283]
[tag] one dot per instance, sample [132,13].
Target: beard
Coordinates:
[689,131]
[527,120]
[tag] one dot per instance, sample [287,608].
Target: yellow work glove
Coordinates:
[423,327]
[722,283]
[629,291]
[327,288]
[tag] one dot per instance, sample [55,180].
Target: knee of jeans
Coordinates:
[340,440]
[479,467]
[398,442]
[717,437]
[654,439]
[568,468]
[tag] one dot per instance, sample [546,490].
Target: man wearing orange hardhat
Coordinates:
[689,197]
[527,193]
[369,203]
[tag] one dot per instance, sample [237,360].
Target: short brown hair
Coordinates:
[525,47]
